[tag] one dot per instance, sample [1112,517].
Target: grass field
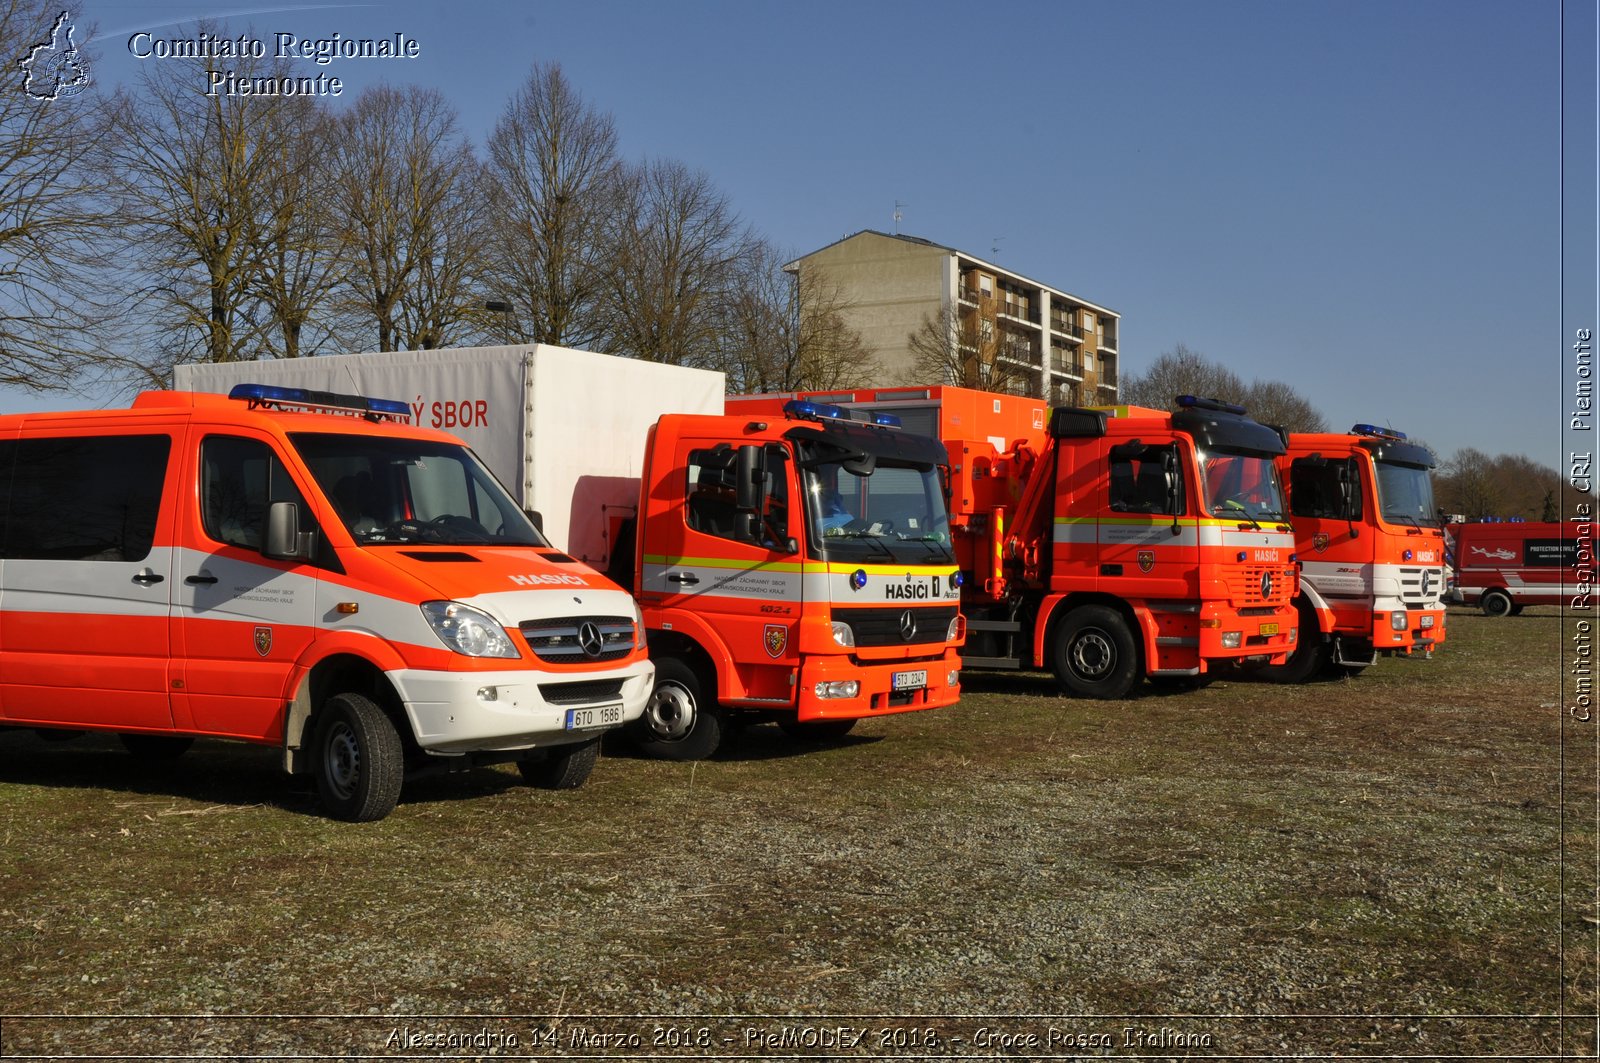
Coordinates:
[1368,866]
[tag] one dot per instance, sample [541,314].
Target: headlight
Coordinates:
[1397,621]
[958,628]
[1232,640]
[844,688]
[638,624]
[843,634]
[468,631]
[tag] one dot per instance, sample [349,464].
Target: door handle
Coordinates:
[195,581]
[147,577]
[688,579]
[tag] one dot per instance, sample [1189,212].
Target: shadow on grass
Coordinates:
[212,773]
[749,742]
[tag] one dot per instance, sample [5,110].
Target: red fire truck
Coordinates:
[1371,549]
[1110,544]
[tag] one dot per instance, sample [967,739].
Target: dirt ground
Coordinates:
[1398,864]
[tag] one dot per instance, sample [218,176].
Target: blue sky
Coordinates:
[1362,199]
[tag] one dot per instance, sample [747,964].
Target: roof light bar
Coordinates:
[1374,430]
[806,410]
[1192,402]
[271,395]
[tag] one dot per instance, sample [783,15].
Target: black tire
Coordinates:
[1312,655]
[156,747]
[1094,655]
[680,721]
[817,730]
[357,759]
[1496,603]
[562,768]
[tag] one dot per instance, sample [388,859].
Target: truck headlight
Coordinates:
[844,635]
[468,631]
[843,688]
[1397,621]
[1232,640]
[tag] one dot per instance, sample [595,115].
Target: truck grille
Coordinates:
[886,626]
[1412,584]
[575,639]
[591,692]
[1244,584]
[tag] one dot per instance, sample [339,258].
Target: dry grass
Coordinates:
[1386,849]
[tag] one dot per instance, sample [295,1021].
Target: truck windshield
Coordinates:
[390,491]
[1241,485]
[1405,494]
[893,514]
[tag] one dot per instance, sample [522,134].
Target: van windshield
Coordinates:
[391,491]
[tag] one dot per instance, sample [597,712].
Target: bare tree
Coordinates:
[788,331]
[551,168]
[299,264]
[50,226]
[676,246]
[1183,371]
[404,199]
[197,179]
[967,348]
[1466,484]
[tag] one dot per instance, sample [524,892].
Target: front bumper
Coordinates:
[470,712]
[877,695]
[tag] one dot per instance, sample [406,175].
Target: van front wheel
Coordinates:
[359,762]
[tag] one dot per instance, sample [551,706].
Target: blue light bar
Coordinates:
[1193,402]
[1374,430]
[805,409]
[269,394]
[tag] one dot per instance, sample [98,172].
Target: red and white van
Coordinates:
[301,570]
[1502,566]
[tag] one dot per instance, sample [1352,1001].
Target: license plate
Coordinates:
[910,680]
[599,716]
[1269,629]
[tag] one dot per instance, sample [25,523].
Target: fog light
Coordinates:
[1427,621]
[1232,640]
[953,679]
[843,634]
[488,693]
[843,688]
[1397,621]
[1294,635]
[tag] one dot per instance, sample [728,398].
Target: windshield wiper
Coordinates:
[875,540]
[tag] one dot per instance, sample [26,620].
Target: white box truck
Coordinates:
[525,409]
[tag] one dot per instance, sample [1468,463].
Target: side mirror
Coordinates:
[750,480]
[284,541]
[535,518]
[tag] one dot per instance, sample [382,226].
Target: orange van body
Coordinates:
[140,594]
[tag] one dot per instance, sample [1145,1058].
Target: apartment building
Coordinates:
[1013,333]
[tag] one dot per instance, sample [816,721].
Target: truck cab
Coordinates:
[1371,549]
[792,565]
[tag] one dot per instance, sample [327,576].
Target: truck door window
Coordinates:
[239,479]
[712,508]
[1315,492]
[85,499]
[1139,481]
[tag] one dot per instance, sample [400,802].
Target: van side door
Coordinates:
[241,620]
[88,548]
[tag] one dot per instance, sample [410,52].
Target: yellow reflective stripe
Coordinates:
[842,568]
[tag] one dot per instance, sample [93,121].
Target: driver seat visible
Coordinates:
[356,498]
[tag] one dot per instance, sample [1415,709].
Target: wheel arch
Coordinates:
[337,674]
[1054,610]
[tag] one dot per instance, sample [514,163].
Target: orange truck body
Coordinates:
[1371,549]
[773,613]
[1096,543]
[197,566]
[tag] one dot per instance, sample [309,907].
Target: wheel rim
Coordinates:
[670,712]
[1499,605]
[1092,655]
[342,760]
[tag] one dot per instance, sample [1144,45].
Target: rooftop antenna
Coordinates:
[994,248]
[897,216]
